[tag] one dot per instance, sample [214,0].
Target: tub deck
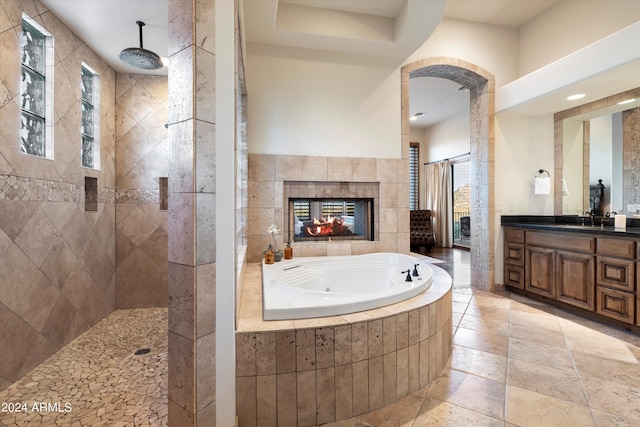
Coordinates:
[313,371]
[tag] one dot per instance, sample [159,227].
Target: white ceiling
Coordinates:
[392,28]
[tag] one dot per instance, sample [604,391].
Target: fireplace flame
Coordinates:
[329,226]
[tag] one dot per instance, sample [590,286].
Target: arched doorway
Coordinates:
[481,86]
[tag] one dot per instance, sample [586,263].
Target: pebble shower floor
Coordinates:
[97,379]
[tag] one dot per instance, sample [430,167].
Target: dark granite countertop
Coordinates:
[571,224]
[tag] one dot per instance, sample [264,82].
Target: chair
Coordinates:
[465,226]
[421,232]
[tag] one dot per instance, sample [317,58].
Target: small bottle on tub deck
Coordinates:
[288,251]
[269,256]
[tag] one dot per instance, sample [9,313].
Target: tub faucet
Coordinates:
[408,279]
[415,270]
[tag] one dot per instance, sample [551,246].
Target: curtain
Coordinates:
[439,200]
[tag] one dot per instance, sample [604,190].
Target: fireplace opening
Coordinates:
[331,219]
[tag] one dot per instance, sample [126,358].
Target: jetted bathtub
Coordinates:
[329,286]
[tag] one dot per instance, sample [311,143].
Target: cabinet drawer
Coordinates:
[514,254]
[513,235]
[561,241]
[616,273]
[514,276]
[616,304]
[616,247]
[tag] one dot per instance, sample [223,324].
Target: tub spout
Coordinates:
[408,279]
[415,270]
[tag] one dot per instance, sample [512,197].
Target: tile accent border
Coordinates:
[316,371]
[14,187]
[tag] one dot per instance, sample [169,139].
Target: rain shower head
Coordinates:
[140,57]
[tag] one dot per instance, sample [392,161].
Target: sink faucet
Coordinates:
[408,279]
[591,216]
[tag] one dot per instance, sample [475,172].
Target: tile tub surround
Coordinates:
[267,203]
[314,371]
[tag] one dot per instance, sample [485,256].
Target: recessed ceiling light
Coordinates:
[628,101]
[416,116]
[576,96]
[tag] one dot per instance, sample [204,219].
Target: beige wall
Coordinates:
[56,260]
[568,21]
[142,150]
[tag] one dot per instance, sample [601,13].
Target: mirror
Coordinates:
[593,146]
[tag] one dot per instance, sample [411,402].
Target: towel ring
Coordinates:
[542,170]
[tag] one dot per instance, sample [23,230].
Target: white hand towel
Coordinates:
[542,185]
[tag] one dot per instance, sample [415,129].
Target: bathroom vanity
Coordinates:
[593,268]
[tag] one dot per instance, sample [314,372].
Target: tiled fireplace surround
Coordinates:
[326,176]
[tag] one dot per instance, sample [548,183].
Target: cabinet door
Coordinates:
[540,267]
[575,284]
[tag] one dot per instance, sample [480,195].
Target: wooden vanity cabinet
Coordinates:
[595,273]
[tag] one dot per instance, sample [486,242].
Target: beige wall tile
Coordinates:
[286,388]
[266,399]
[424,362]
[389,334]
[360,341]
[182,300]
[182,381]
[285,352]
[376,383]
[361,387]
[390,378]
[246,401]
[344,391]
[245,355]
[306,402]
[206,370]
[325,348]
[343,345]
[265,353]
[402,372]
[402,336]
[305,349]
[325,395]
[374,331]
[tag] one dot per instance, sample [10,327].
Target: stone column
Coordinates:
[192,213]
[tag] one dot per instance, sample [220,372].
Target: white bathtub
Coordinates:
[328,286]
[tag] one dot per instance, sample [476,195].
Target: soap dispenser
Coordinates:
[288,251]
[269,256]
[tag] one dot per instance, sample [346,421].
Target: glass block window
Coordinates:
[89,128]
[36,90]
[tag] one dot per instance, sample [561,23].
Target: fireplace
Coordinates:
[315,219]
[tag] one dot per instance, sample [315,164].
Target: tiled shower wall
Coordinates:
[56,260]
[142,152]
[268,172]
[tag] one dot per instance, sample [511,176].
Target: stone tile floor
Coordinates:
[516,362]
